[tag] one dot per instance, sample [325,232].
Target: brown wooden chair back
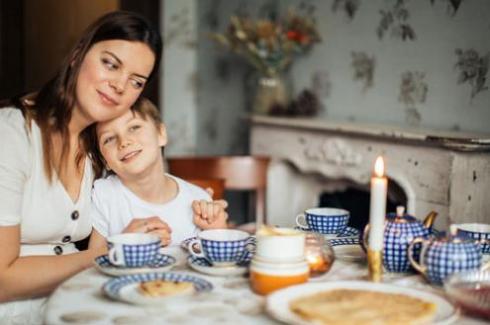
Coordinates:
[244,173]
[216,184]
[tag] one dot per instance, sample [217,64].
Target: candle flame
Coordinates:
[379,167]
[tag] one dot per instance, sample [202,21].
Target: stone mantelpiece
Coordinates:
[448,172]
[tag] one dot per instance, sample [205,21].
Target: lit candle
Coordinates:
[377,211]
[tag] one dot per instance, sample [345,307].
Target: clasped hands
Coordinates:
[206,215]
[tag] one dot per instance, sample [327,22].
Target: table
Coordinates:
[80,300]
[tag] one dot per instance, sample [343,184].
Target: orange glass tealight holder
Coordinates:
[319,254]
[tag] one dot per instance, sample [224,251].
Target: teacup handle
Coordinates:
[251,245]
[419,267]
[301,221]
[116,255]
[191,248]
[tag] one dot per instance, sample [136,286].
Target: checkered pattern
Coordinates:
[483,239]
[445,258]
[161,260]
[327,224]
[140,254]
[349,232]
[344,241]
[204,262]
[226,251]
[397,237]
[113,287]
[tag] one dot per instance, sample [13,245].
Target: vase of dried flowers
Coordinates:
[270,46]
[270,92]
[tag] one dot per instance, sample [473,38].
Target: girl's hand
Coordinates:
[210,215]
[151,225]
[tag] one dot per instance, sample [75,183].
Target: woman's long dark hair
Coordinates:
[53,105]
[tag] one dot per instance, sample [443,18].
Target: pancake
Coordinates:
[362,307]
[161,288]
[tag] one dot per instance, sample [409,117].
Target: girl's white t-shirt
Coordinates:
[114,206]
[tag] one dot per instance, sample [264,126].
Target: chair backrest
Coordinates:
[245,173]
[216,184]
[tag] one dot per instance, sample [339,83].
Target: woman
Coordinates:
[45,175]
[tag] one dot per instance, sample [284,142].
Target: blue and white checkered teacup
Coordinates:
[222,247]
[443,257]
[133,250]
[324,220]
[478,232]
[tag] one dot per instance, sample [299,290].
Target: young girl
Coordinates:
[45,176]
[130,147]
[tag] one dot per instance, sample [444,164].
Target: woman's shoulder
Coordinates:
[12,116]
[13,126]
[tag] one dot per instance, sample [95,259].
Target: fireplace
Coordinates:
[428,170]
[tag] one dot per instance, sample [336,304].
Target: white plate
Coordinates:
[278,302]
[126,288]
[203,266]
[351,253]
[163,263]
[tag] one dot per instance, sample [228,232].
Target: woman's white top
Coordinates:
[49,219]
[114,206]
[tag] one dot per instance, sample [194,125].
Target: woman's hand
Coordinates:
[210,215]
[150,225]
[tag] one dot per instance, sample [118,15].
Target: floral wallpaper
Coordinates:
[422,63]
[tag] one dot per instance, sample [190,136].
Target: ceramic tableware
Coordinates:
[399,231]
[278,244]
[133,249]
[279,302]
[442,257]
[479,232]
[323,220]
[202,265]
[126,288]
[161,263]
[222,247]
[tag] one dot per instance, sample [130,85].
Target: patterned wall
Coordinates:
[417,63]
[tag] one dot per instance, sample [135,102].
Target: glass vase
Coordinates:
[270,94]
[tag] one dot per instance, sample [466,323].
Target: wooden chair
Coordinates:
[242,173]
[216,184]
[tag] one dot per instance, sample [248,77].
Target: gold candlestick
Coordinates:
[375,265]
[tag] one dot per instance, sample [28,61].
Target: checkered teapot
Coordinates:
[400,230]
[444,256]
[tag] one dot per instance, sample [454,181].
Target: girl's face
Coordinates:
[112,76]
[131,145]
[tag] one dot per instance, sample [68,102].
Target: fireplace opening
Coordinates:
[356,200]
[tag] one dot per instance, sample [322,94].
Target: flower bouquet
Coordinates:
[270,46]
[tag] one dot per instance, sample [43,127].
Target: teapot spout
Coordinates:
[429,219]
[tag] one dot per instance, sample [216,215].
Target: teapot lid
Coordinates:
[400,216]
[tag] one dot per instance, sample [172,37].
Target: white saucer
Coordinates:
[162,263]
[202,265]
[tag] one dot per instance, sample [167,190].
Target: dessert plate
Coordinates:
[162,263]
[127,288]
[278,303]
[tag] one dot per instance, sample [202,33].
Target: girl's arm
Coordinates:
[33,276]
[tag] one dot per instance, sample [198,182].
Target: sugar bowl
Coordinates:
[441,257]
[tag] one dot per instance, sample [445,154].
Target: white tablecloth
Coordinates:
[81,300]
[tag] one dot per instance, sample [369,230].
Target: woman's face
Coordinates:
[112,76]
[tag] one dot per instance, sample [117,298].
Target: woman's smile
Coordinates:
[106,99]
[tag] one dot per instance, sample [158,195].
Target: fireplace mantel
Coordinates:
[448,172]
